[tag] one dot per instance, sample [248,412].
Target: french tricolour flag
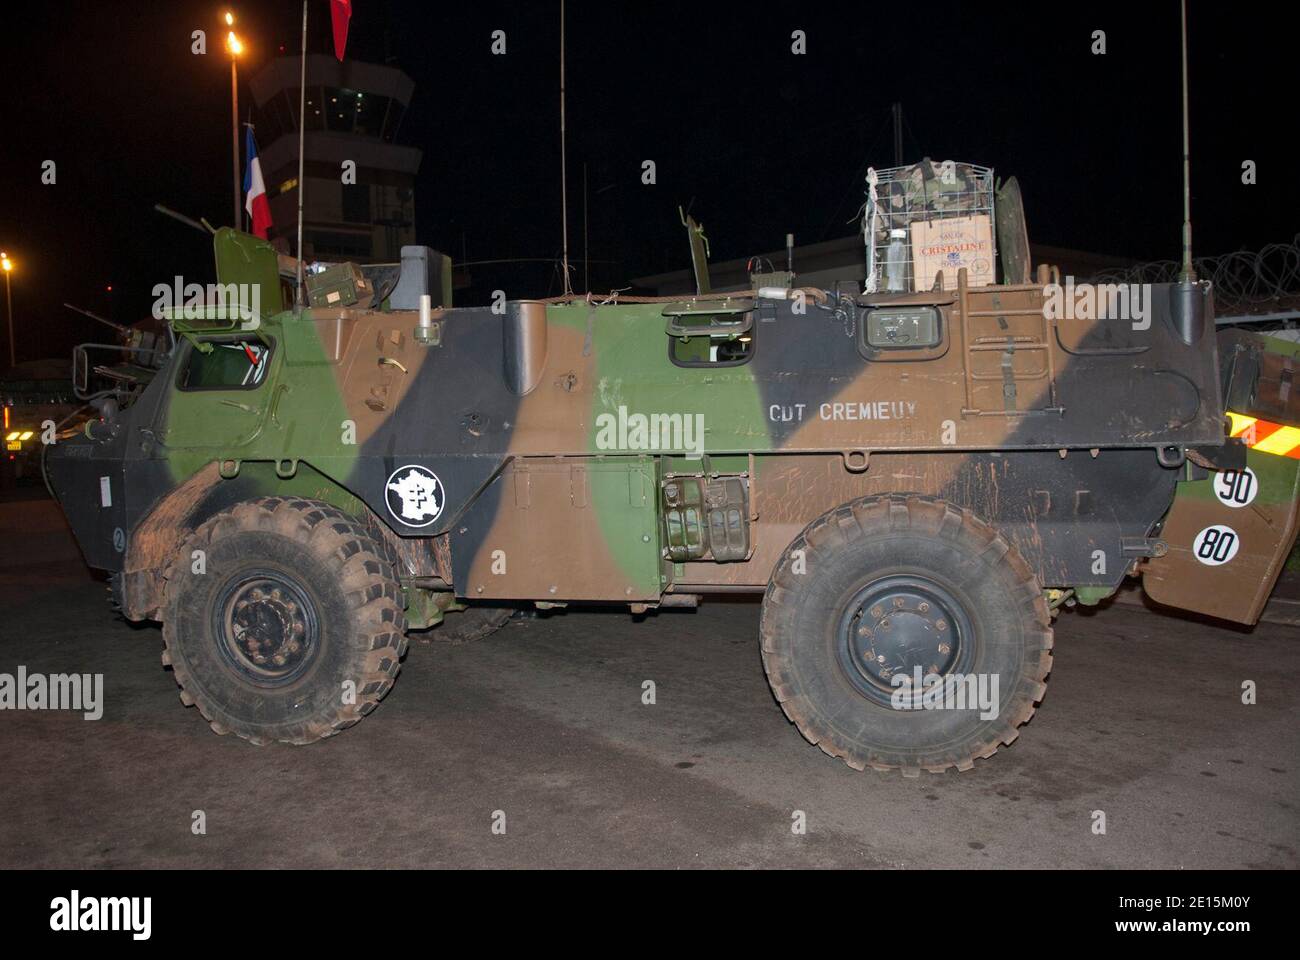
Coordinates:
[255,202]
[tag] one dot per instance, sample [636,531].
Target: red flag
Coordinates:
[341,13]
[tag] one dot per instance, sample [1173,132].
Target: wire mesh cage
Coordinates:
[924,221]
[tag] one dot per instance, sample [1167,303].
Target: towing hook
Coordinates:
[1171,456]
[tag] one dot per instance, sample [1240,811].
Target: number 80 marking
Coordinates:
[1216,545]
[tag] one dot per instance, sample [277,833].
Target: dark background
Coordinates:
[754,140]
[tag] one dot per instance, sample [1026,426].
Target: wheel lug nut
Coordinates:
[941,624]
[923,607]
[944,648]
[898,603]
[877,611]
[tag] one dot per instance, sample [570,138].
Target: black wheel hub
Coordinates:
[896,626]
[267,627]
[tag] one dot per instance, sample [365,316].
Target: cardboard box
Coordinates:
[949,245]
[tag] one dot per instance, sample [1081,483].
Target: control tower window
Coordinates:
[356,203]
[315,100]
[393,120]
[276,118]
[369,111]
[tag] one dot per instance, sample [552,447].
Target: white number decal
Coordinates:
[1216,545]
[1236,488]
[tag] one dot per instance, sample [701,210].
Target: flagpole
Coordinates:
[246,218]
[302,125]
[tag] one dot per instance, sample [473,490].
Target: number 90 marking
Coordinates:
[1236,488]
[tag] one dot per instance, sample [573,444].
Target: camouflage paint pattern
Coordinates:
[1067,435]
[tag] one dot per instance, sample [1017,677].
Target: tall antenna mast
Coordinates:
[586,251]
[897,110]
[1188,273]
[298,298]
[564,175]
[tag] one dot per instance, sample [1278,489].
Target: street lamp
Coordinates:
[8,266]
[236,48]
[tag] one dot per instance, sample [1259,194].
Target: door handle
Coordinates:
[280,391]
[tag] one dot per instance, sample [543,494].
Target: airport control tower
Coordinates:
[354,112]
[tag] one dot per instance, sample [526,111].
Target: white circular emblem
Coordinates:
[414,495]
[1236,488]
[1215,545]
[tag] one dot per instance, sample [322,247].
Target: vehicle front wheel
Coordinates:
[283,621]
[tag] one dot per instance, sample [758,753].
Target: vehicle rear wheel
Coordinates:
[283,621]
[884,592]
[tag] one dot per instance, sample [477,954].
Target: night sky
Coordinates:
[755,140]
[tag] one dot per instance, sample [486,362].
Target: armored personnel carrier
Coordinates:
[913,481]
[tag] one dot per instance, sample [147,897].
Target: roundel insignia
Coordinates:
[414,495]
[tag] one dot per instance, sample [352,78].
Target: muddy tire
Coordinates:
[883,587]
[472,623]
[292,631]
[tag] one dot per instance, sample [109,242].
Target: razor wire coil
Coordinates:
[1245,280]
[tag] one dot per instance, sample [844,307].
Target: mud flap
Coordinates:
[1229,536]
[1231,530]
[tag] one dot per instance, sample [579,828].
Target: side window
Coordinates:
[228,365]
[715,345]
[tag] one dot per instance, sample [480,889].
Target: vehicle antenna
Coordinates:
[564,182]
[1188,273]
